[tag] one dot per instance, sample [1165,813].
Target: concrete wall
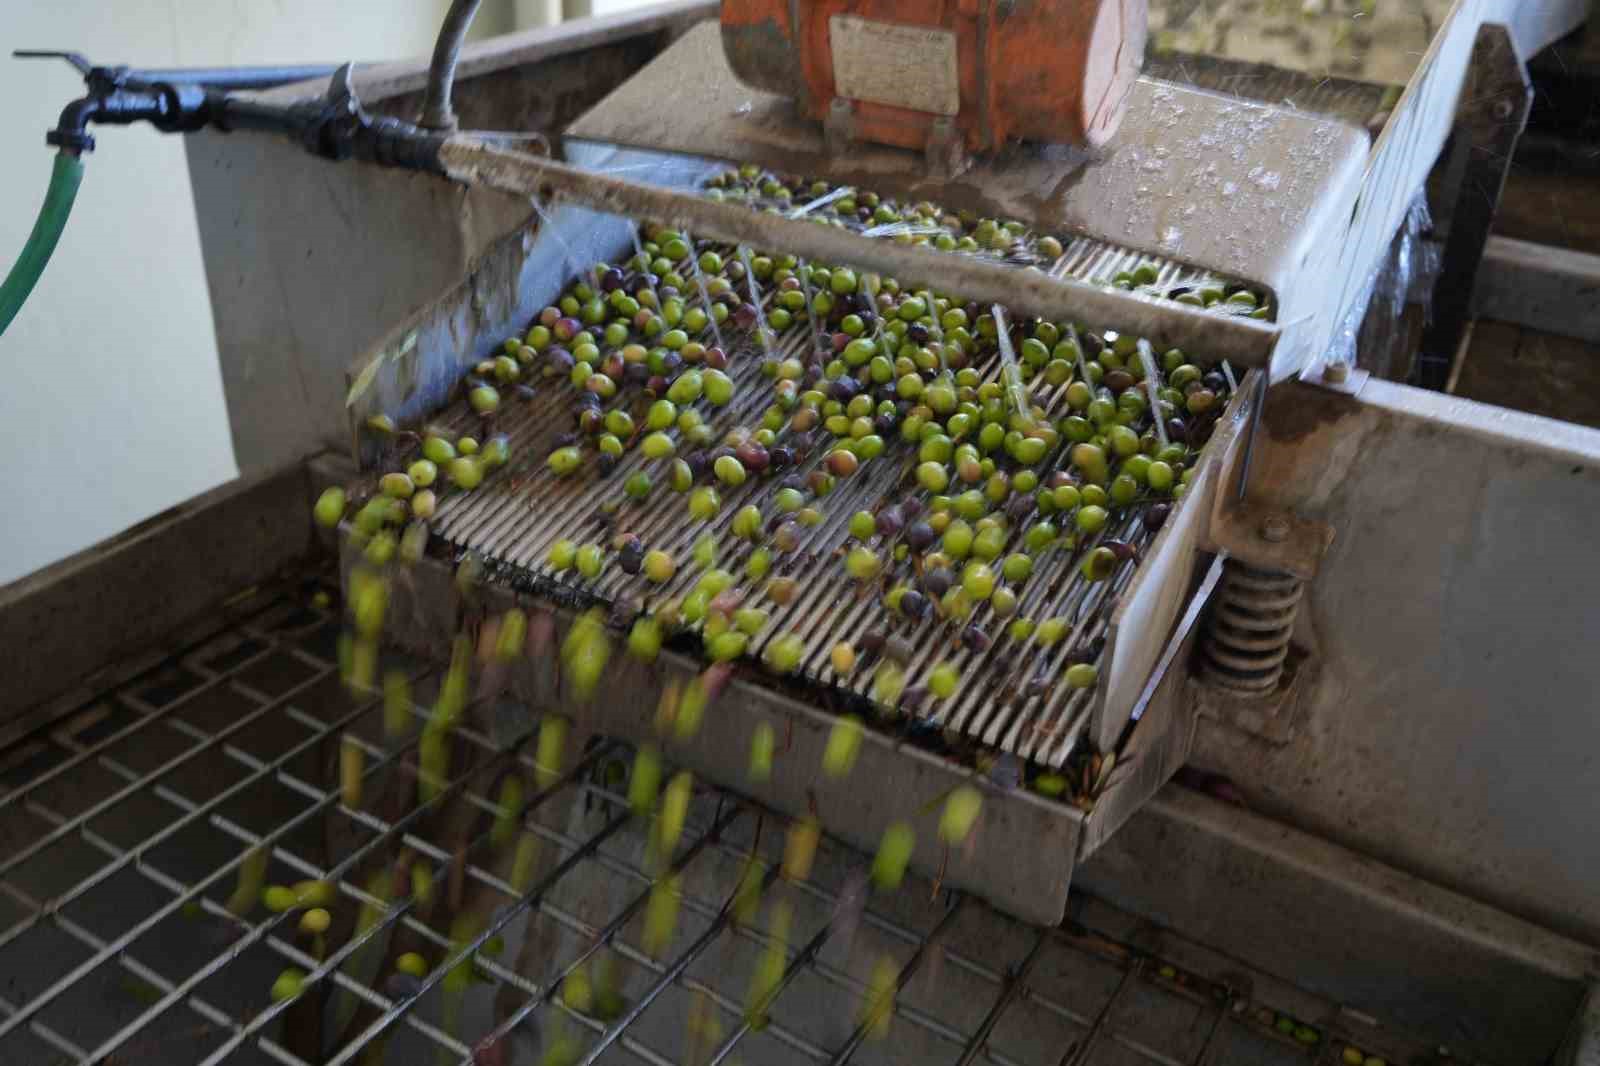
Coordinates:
[112,402]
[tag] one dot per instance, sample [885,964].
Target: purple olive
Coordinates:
[975,640]
[914,605]
[1120,548]
[937,581]
[920,536]
[780,458]
[890,521]
[631,555]
[753,456]
[611,280]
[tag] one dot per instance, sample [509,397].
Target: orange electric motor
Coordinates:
[937,74]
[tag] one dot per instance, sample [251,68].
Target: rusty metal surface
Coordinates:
[1029,292]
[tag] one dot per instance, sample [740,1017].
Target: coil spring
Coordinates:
[1247,641]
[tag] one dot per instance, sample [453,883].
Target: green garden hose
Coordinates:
[64,179]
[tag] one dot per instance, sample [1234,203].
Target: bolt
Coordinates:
[1336,372]
[1503,109]
[1275,529]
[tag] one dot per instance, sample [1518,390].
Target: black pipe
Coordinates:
[234,77]
[436,111]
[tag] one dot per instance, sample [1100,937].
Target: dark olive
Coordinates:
[920,536]
[914,605]
[753,456]
[937,581]
[1155,516]
[975,640]
[1019,506]
[1120,548]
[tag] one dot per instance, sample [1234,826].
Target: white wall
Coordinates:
[110,399]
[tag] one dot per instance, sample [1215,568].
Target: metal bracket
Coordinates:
[946,150]
[1336,376]
[839,128]
[1268,538]
[1490,118]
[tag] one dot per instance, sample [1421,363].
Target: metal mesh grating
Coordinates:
[125,827]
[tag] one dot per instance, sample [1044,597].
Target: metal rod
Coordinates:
[105,743]
[122,795]
[161,913]
[395,913]
[1197,605]
[436,110]
[234,77]
[612,928]
[1014,984]
[1081,1056]
[1171,325]
[387,1019]
[1257,413]
[806,956]
[682,963]
[906,973]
